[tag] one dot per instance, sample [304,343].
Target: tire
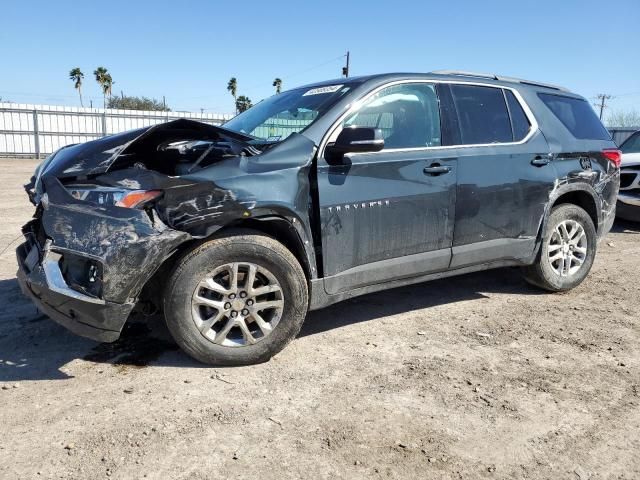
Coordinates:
[554,275]
[200,291]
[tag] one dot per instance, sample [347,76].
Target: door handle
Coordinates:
[540,161]
[436,169]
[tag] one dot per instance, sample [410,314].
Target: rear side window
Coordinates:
[519,121]
[577,115]
[482,114]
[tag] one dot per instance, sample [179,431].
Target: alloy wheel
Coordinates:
[238,304]
[567,248]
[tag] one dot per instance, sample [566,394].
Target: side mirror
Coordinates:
[355,140]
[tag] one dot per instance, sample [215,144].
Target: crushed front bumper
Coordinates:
[41,280]
[68,238]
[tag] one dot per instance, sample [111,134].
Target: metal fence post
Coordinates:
[104,123]
[36,134]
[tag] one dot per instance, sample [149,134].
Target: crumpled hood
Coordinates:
[98,156]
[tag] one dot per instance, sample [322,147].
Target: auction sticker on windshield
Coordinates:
[320,90]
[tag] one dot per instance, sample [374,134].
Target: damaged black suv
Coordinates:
[313,196]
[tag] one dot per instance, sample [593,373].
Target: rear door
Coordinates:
[504,174]
[389,214]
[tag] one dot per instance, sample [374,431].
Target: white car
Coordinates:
[628,206]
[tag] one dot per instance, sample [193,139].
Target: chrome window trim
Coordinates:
[359,103]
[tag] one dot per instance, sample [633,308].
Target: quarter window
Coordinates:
[482,114]
[577,115]
[407,114]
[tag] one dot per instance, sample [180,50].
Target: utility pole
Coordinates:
[603,97]
[345,69]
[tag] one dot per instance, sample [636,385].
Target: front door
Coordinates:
[389,214]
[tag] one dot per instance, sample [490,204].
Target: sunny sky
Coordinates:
[187,50]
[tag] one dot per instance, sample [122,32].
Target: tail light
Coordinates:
[137,198]
[613,155]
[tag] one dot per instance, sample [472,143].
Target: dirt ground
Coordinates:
[480,376]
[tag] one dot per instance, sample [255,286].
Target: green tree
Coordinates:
[278,84]
[76,75]
[232,87]
[243,103]
[137,103]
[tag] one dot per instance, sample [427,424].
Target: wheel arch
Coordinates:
[280,229]
[579,194]
[583,196]
[276,227]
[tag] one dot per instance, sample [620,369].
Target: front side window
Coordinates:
[482,114]
[407,114]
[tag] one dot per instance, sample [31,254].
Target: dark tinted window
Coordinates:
[519,120]
[577,115]
[482,114]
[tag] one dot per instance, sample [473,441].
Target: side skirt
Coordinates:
[320,299]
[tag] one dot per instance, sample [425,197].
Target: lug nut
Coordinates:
[234,314]
[245,312]
[227,306]
[232,296]
[243,294]
[249,302]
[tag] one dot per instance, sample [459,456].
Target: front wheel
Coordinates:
[567,251]
[236,300]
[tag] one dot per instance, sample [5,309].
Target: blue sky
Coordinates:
[187,50]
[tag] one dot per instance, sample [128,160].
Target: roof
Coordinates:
[440,75]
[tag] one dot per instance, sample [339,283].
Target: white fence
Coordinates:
[38,130]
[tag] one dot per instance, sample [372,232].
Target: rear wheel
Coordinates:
[236,300]
[567,252]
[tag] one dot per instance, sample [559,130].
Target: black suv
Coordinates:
[313,196]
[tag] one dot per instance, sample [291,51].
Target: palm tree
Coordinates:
[102,77]
[243,103]
[76,75]
[107,84]
[278,84]
[232,86]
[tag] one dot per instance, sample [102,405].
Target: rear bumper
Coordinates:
[606,223]
[87,316]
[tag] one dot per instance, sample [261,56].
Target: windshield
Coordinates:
[277,117]
[632,144]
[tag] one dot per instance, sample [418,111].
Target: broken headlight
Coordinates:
[109,196]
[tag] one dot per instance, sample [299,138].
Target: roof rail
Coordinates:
[464,73]
[492,76]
